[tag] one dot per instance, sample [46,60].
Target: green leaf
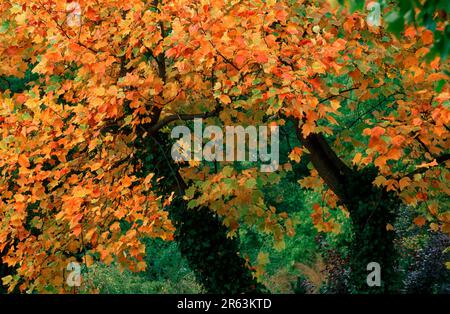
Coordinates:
[227,171]
[4,28]
[396,23]
[251,183]
[439,86]
[356,5]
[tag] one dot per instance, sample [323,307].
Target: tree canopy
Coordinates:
[100,77]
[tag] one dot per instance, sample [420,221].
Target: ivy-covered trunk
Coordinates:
[201,236]
[212,256]
[371,210]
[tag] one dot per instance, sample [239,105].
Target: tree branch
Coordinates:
[439,160]
[182,117]
[329,166]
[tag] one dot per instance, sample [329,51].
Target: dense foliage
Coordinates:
[90,92]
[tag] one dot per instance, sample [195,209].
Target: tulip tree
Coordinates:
[85,150]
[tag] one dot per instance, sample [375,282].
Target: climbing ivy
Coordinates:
[371,210]
[200,234]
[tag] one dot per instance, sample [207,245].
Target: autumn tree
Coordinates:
[85,146]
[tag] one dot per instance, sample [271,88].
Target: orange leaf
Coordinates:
[261,57]
[377,132]
[23,161]
[296,154]
[427,37]
[427,165]
[307,129]
[404,182]
[126,182]
[77,230]
[410,32]
[419,221]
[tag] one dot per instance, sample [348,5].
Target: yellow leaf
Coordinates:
[335,104]
[357,158]
[19,198]
[280,245]
[434,227]
[380,180]
[148,178]
[99,91]
[6,280]
[21,18]
[96,166]
[79,191]
[225,99]
[334,91]
[318,67]
[171,90]
[263,258]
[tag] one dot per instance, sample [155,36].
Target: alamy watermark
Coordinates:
[74,275]
[374,277]
[235,143]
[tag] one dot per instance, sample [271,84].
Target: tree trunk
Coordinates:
[212,256]
[201,236]
[370,208]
